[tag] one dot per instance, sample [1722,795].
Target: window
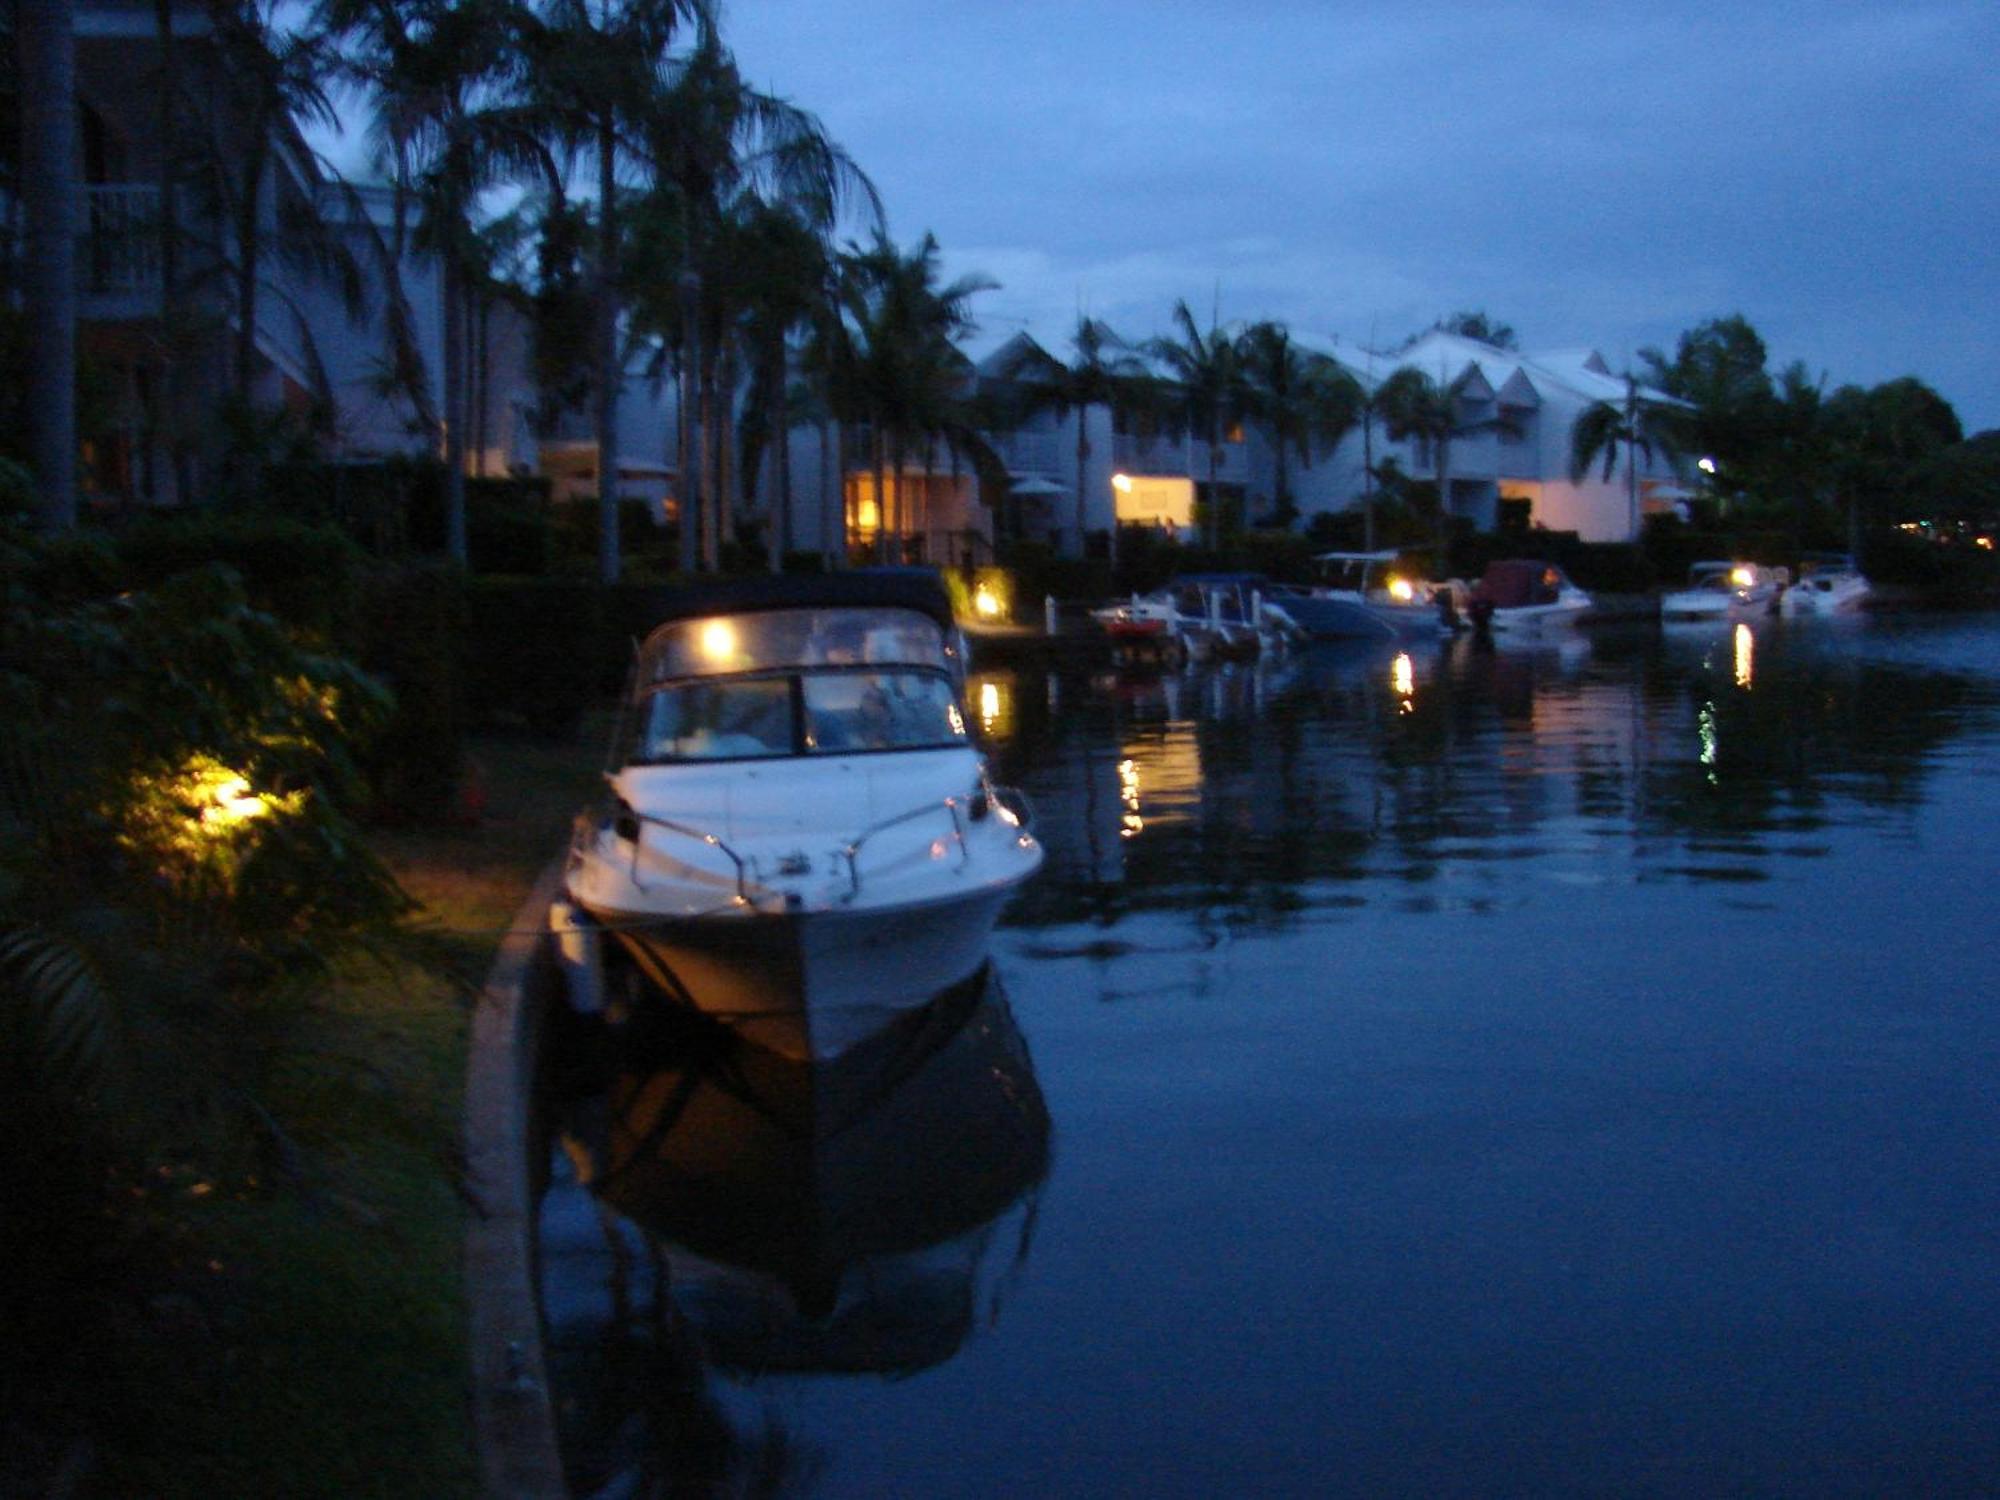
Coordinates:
[850,711]
[834,712]
[726,720]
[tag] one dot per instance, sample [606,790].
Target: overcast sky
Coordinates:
[1605,174]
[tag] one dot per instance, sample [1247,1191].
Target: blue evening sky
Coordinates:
[1606,174]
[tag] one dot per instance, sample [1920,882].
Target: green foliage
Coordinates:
[642,542]
[17,489]
[299,572]
[539,652]
[1477,325]
[411,637]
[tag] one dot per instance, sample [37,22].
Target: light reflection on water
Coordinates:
[1538,1070]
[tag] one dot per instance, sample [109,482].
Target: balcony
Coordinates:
[1034,452]
[118,251]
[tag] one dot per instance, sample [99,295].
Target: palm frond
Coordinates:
[56,1020]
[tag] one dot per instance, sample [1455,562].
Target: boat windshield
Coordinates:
[768,640]
[833,711]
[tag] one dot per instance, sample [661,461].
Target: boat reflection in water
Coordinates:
[758,1214]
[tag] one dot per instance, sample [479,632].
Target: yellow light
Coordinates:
[718,640]
[867,516]
[1402,590]
[1403,675]
[1742,577]
[1122,483]
[1746,650]
[986,603]
[1131,825]
[989,705]
[1706,465]
[231,802]
[1985,542]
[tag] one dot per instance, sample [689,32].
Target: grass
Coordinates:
[307,1338]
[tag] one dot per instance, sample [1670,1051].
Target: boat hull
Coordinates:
[810,985]
[1329,618]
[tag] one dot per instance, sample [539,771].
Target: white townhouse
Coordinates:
[1518,412]
[167,366]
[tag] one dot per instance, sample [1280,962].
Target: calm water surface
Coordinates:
[1573,1069]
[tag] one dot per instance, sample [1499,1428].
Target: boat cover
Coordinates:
[863,588]
[1518,582]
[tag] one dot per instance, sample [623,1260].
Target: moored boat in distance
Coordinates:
[800,837]
[1197,617]
[1724,591]
[1829,583]
[1364,596]
[1522,595]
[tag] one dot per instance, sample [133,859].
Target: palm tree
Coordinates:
[46,38]
[276,78]
[1209,395]
[1417,408]
[910,379]
[1304,401]
[780,263]
[722,151]
[1638,426]
[1414,406]
[427,63]
[1104,372]
[595,71]
[1369,409]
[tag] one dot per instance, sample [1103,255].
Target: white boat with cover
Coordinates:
[800,836]
[1526,596]
[1724,591]
[1829,584]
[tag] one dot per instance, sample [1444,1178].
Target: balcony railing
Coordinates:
[119,247]
[1037,452]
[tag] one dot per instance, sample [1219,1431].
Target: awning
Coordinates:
[1034,484]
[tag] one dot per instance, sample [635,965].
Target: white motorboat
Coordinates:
[1526,596]
[1724,591]
[801,837]
[1197,617]
[1828,584]
[1364,596]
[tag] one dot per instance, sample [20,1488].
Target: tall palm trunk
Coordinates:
[711,461]
[684,443]
[1082,460]
[1632,458]
[833,439]
[168,398]
[727,496]
[782,423]
[453,416]
[609,377]
[249,247]
[46,39]
[482,382]
[1214,486]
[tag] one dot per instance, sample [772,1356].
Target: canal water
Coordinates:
[1564,1069]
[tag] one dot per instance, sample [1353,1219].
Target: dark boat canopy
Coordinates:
[919,589]
[1515,582]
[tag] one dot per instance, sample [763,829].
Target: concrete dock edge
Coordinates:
[513,1418]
